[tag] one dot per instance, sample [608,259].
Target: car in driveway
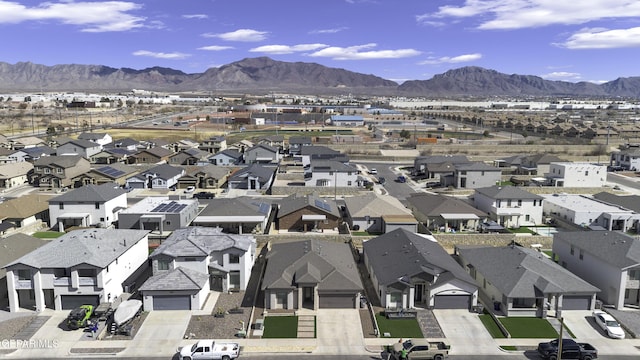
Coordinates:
[189,189]
[607,323]
[204,195]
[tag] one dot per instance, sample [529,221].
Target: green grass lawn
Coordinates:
[47,234]
[491,326]
[280,327]
[399,328]
[529,327]
[521,230]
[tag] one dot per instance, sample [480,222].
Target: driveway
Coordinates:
[339,332]
[163,329]
[462,328]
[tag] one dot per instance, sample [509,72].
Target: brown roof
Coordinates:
[24,206]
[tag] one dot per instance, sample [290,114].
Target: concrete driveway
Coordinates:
[462,328]
[163,329]
[53,339]
[339,332]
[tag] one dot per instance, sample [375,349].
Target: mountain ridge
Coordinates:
[262,74]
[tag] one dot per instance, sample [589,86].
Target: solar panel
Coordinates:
[108,170]
[323,205]
[170,207]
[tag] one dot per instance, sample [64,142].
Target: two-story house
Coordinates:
[58,171]
[88,266]
[189,156]
[193,261]
[330,173]
[628,159]
[473,175]
[576,174]
[84,148]
[297,142]
[89,205]
[510,206]
[102,139]
[153,155]
[214,144]
[262,153]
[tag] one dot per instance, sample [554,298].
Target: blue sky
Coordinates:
[586,40]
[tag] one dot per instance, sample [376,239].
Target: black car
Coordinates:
[381,180]
[204,195]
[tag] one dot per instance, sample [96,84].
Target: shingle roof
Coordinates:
[507,192]
[97,247]
[300,140]
[631,202]
[375,205]
[401,253]
[264,173]
[85,144]
[234,154]
[435,205]
[15,246]
[11,170]
[176,279]
[296,202]
[327,263]
[612,247]
[201,241]
[239,206]
[65,161]
[24,206]
[164,171]
[91,193]
[92,136]
[522,272]
[476,166]
[156,151]
[331,165]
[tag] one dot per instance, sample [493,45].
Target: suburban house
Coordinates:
[311,274]
[8,156]
[445,213]
[590,213]
[410,270]
[309,153]
[297,142]
[627,159]
[125,143]
[89,266]
[158,214]
[252,177]
[241,146]
[631,202]
[14,247]
[113,173]
[193,261]
[538,164]
[607,259]
[204,177]
[226,157]
[331,173]
[276,141]
[368,213]
[85,148]
[162,176]
[472,176]
[510,206]
[14,175]
[263,154]
[58,171]
[27,213]
[34,153]
[190,156]
[89,205]
[214,144]
[524,282]
[302,213]
[576,174]
[26,142]
[239,215]
[102,139]
[153,155]
[436,166]
[113,156]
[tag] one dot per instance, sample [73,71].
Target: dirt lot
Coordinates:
[211,327]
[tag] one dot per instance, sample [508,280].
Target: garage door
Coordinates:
[576,302]
[70,302]
[337,301]
[174,302]
[452,302]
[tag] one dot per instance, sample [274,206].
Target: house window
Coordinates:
[482,173]
[509,203]
[234,279]
[234,259]
[24,274]
[190,259]
[634,274]
[519,202]
[484,283]
[59,170]
[61,206]
[86,272]
[97,205]
[47,171]
[101,219]
[572,250]
[586,173]
[163,264]
[349,183]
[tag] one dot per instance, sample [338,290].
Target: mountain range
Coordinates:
[262,74]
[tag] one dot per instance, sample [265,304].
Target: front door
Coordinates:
[417,295]
[307,297]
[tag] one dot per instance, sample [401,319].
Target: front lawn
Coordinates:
[491,326]
[529,327]
[47,234]
[399,328]
[280,327]
[521,230]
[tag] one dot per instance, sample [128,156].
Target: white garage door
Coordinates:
[172,302]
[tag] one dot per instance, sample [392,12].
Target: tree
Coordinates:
[51,130]
[404,133]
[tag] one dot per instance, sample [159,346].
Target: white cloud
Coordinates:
[357,53]
[603,39]
[161,55]
[245,35]
[195,16]
[329,31]
[287,49]
[451,60]
[562,75]
[215,48]
[517,14]
[89,16]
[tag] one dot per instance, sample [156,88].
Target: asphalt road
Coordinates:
[529,355]
[387,170]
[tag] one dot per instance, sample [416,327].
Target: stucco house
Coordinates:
[331,173]
[193,261]
[89,266]
[102,139]
[576,174]
[162,176]
[239,215]
[252,177]
[227,157]
[302,213]
[368,213]
[89,205]
[85,148]
[311,274]
[262,153]
[14,247]
[58,171]
[607,259]
[444,213]
[524,282]
[158,214]
[410,270]
[14,174]
[510,206]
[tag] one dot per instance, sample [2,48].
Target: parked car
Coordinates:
[401,179]
[570,350]
[204,195]
[209,350]
[189,189]
[381,180]
[419,349]
[373,171]
[79,317]
[608,324]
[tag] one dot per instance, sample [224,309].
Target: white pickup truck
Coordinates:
[209,350]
